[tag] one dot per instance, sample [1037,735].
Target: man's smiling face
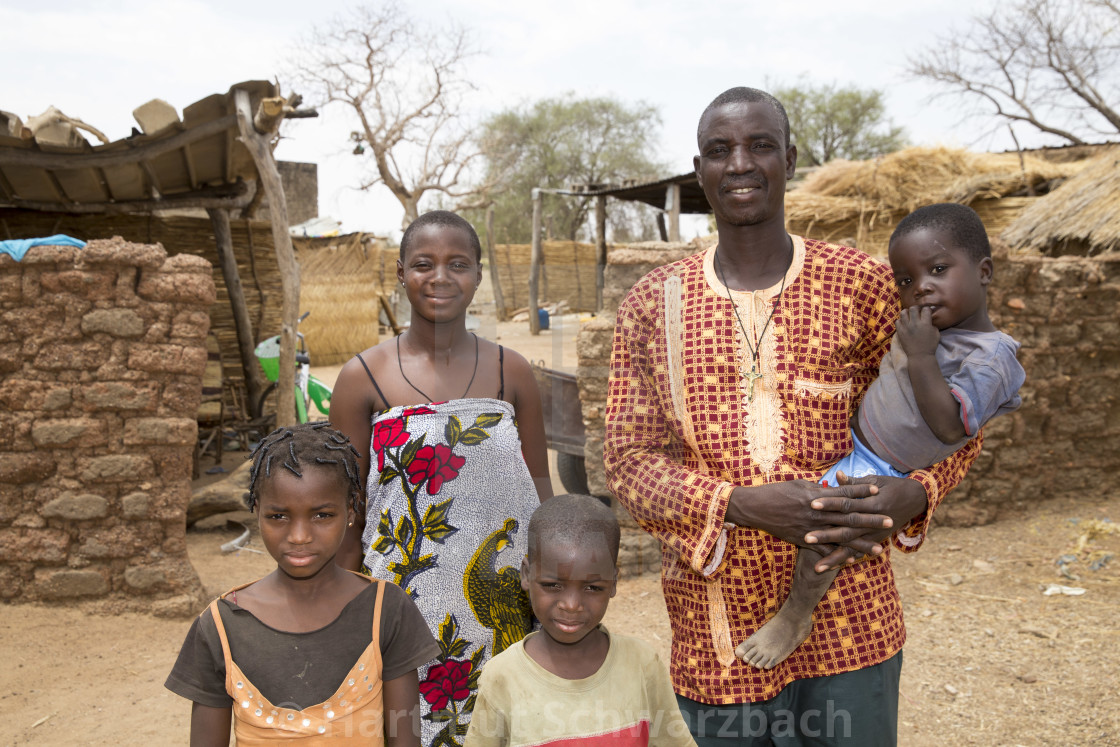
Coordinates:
[744,163]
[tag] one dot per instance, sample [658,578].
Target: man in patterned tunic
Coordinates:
[733,377]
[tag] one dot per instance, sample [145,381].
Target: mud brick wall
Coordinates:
[102,351]
[1064,440]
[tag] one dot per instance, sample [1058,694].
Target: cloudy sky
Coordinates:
[98,64]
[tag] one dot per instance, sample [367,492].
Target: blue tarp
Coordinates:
[18,247]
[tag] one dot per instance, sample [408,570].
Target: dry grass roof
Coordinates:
[900,182]
[341,278]
[1080,217]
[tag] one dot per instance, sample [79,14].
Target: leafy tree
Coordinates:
[828,122]
[403,82]
[1052,64]
[559,142]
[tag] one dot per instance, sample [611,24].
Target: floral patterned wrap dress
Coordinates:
[449,501]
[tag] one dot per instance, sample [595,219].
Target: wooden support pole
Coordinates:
[535,265]
[257,144]
[389,314]
[492,260]
[673,208]
[600,249]
[223,198]
[246,341]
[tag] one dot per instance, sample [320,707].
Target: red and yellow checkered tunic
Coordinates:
[682,433]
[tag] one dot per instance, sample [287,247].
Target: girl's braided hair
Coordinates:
[294,447]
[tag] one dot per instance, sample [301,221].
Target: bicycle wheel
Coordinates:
[267,404]
[572,472]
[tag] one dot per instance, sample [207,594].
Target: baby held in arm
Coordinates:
[947,373]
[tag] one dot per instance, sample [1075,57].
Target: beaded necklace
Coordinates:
[754,374]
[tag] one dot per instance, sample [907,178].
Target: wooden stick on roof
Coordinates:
[256,134]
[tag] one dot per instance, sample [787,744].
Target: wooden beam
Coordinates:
[673,208]
[227,155]
[249,211]
[233,197]
[270,112]
[153,180]
[257,144]
[135,154]
[535,265]
[246,341]
[58,190]
[600,249]
[389,314]
[6,186]
[492,260]
[103,182]
[188,162]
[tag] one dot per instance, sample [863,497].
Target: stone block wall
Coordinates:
[1064,440]
[102,351]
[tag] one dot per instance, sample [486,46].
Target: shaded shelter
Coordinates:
[671,196]
[218,157]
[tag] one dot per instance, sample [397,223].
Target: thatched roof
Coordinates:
[900,182]
[1080,217]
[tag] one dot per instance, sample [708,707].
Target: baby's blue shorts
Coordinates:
[860,463]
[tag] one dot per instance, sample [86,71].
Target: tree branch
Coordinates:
[404,83]
[1050,63]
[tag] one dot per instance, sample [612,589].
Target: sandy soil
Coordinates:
[991,659]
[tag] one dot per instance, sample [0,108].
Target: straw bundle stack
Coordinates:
[1080,217]
[340,281]
[567,274]
[860,202]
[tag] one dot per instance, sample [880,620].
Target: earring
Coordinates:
[350,524]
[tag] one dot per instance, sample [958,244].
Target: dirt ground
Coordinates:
[991,658]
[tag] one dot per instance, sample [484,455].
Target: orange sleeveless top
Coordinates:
[353,715]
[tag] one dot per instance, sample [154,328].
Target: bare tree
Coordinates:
[403,81]
[1052,64]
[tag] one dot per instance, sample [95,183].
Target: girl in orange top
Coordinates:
[311,652]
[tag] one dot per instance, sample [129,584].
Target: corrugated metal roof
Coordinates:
[652,193]
[199,156]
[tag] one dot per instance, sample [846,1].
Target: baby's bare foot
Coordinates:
[775,640]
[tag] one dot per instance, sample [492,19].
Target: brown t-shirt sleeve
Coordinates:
[406,641]
[199,673]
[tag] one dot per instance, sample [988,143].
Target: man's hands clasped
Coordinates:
[841,523]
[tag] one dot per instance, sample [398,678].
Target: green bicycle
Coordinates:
[308,388]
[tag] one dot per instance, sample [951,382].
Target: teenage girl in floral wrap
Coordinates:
[455,467]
